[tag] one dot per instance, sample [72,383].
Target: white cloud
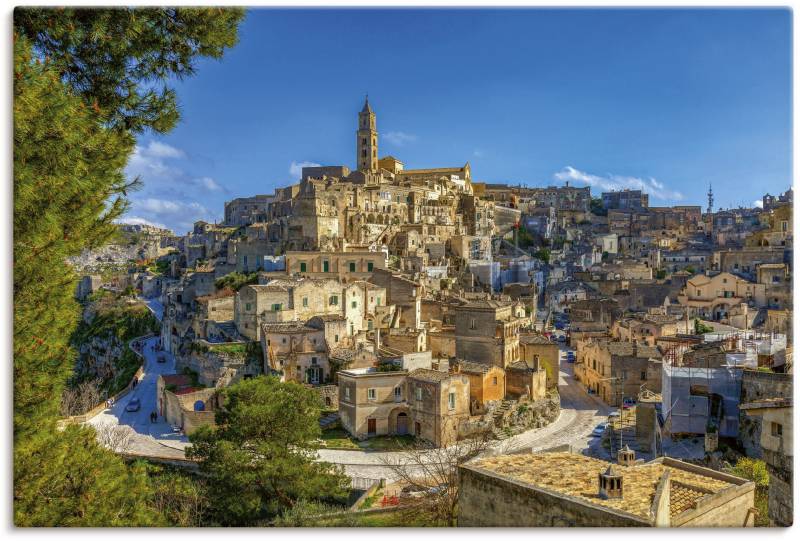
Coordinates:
[178,215]
[170,189]
[296,168]
[758,203]
[478,153]
[611,182]
[399,138]
[163,150]
[208,183]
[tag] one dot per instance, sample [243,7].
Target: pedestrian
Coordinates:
[135,381]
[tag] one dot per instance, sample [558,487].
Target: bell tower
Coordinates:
[367,140]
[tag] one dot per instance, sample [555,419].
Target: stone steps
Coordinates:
[328,420]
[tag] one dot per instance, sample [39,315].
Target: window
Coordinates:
[371,394]
[494,380]
[354,304]
[644,375]
[378,301]
[369,266]
[276,307]
[451,400]
[776,429]
[247,306]
[336,338]
[305,302]
[283,340]
[352,267]
[325,266]
[347,392]
[302,267]
[334,300]
[313,360]
[397,393]
[369,325]
[418,393]
[472,323]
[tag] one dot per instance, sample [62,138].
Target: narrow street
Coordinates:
[150,439]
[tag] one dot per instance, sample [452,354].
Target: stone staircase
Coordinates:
[501,431]
[229,328]
[329,420]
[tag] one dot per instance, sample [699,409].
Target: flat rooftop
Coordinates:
[575,476]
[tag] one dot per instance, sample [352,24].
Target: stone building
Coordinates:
[184,405]
[564,489]
[438,403]
[487,332]
[297,351]
[618,370]
[539,351]
[487,383]
[713,297]
[776,445]
[390,400]
[346,265]
[625,199]
[247,210]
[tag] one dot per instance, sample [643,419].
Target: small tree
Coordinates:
[116,438]
[261,456]
[433,471]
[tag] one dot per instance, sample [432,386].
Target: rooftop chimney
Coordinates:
[626,456]
[610,483]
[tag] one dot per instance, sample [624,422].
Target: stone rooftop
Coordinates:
[575,476]
[534,339]
[431,376]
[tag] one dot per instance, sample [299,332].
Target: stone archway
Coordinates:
[399,421]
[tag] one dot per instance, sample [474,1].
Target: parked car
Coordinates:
[134,405]
[562,338]
[599,430]
[614,414]
[570,356]
[628,403]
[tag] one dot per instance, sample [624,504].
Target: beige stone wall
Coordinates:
[437,422]
[486,500]
[356,408]
[548,358]
[442,343]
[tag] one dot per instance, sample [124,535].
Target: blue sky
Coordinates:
[665,99]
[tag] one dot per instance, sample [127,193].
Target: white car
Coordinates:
[599,430]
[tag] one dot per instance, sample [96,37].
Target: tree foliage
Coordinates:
[260,458]
[85,82]
[67,479]
[236,281]
[67,167]
[119,60]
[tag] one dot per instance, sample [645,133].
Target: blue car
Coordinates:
[570,356]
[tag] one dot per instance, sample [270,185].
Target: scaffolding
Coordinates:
[698,398]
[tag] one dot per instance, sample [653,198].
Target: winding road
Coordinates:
[580,413]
